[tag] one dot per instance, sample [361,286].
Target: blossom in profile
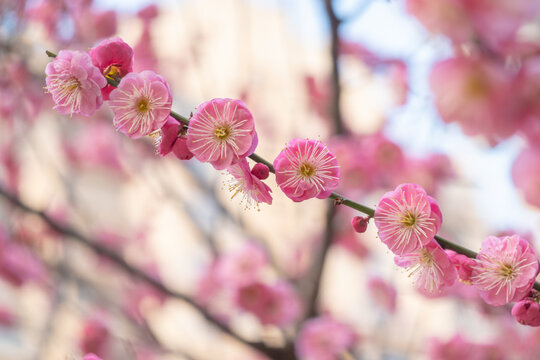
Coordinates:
[407,219]
[527,312]
[114,58]
[222,132]
[324,338]
[431,266]
[463,264]
[506,269]
[306,169]
[172,138]
[248,186]
[141,104]
[74,83]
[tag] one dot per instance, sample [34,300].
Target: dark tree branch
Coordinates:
[285,353]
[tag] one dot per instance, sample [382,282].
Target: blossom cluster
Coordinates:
[220,132]
[504,270]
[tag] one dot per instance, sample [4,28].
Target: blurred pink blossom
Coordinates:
[382,293]
[324,338]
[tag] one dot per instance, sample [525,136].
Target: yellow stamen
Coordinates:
[221,132]
[307,170]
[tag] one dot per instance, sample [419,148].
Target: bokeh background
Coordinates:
[172,219]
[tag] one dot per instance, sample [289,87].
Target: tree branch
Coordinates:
[286,353]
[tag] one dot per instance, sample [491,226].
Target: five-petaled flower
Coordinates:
[306,169]
[407,219]
[74,83]
[141,103]
[222,132]
[506,269]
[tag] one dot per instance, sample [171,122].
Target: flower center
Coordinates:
[307,170]
[507,271]
[221,132]
[143,105]
[408,219]
[72,84]
[112,72]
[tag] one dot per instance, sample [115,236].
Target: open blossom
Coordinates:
[407,219]
[506,269]
[172,138]
[527,312]
[222,132]
[324,338]
[141,103]
[251,188]
[114,58]
[306,169]
[74,83]
[432,266]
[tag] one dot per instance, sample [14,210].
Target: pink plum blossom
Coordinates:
[74,83]
[253,191]
[447,17]
[382,293]
[464,265]
[506,269]
[526,174]
[222,132]
[433,269]
[527,312]
[114,58]
[306,169]
[324,338]
[275,304]
[172,138]
[243,265]
[407,219]
[141,103]
[474,93]
[282,307]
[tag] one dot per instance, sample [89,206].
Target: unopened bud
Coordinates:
[260,171]
[360,223]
